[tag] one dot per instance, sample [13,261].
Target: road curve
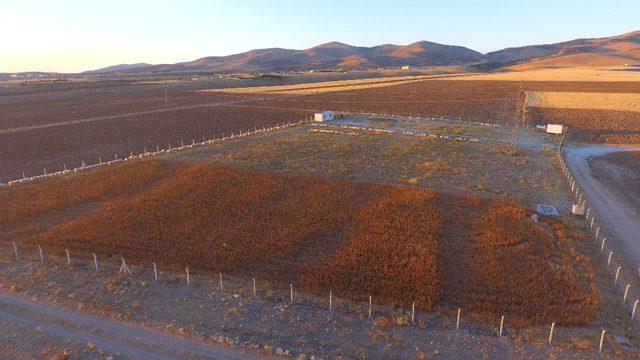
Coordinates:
[618,220]
[129,340]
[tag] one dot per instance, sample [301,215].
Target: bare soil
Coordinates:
[620,172]
[270,323]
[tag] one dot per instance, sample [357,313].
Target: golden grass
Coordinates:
[584,100]
[329,86]
[585,73]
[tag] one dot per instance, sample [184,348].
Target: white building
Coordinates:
[323,116]
[551,128]
[555,129]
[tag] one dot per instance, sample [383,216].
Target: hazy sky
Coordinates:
[76,35]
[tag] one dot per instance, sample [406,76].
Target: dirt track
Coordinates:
[128,340]
[616,218]
[137,113]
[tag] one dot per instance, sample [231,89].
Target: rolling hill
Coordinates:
[609,51]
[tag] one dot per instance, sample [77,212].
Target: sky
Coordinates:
[78,35]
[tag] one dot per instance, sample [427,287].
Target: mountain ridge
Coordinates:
[616,50]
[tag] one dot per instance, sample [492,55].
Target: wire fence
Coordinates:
[622,276]
[146,154]
[268,287]
[155,272]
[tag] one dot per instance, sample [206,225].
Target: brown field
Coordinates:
[329,86]
[489,101]
[442,251]
[582,73]
[584,100]
[52,147]
[589,125]
[41,105]
[480,100]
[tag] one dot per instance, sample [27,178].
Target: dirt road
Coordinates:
[125,115]
[127,340]
[617,220]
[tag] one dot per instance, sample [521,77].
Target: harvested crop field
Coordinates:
[54,147]
[395,243]
[591,125]
[584,100]
[486,101]
[329,86]
[81,133]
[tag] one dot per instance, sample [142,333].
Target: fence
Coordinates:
[621,277]
[145,153]
[125,270]
[204,142]
[259,288]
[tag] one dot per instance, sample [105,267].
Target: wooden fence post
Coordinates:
[15,249]
[40,253]
[68,256]
[369,305]
[155,272]
[615,280]
[458,320]
[626,292]
[95,261]
[601,341]
[413,312]
[188,278]
[553,325]
[633,312]
[220,275]
[501,324]
[254,287]
[330,300]
[291,291]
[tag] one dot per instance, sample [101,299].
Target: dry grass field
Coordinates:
[329,86]
[584,100]
[399,217]
[308,230]
[280,206]
[583,73]
[491,168]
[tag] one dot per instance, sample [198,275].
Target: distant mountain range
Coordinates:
[608,51]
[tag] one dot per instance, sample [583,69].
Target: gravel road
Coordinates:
[617,219]
[127,340]
[137,113]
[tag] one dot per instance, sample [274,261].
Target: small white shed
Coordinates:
[555,129]
[323,116]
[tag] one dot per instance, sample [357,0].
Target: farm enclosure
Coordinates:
[309,230]
[278,206]
[30,143]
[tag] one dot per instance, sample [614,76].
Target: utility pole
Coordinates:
[166,103]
